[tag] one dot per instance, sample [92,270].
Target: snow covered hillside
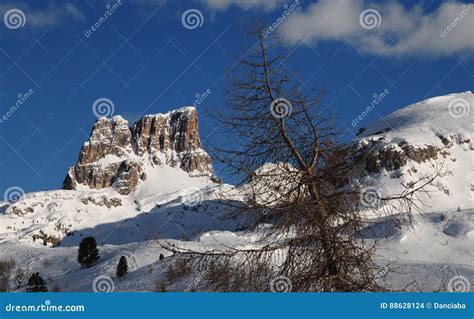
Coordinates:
[150,181]
[133,187]
[435,250]
[415,141]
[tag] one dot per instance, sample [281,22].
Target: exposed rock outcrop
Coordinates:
[115,154]
[377,156]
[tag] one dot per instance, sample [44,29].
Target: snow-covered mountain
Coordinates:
[123,174]
[133,186]
[415,142]
[130,158]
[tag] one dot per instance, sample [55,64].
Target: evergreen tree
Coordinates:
[36,284]
[122,267]
[162,257]
[88,254]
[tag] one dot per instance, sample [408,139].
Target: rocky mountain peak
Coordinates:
[177,131]
[118,155]
[108,137]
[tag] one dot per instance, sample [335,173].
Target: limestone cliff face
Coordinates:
[115,154]
[176,136]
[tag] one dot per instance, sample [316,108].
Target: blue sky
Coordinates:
[145,60]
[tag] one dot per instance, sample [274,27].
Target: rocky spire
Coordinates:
[115,154]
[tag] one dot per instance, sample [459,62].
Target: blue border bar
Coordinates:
[238,305]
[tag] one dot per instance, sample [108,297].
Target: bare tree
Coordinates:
[296,175]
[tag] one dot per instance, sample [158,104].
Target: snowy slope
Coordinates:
[423,122]
[431,253]
[64,217]
[441,127]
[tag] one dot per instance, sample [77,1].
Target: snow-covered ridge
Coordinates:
[119,118]
[425,121]
[184,109]
[415,141]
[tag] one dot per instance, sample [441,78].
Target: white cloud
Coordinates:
[46,16]
[402,31]
[222,5]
